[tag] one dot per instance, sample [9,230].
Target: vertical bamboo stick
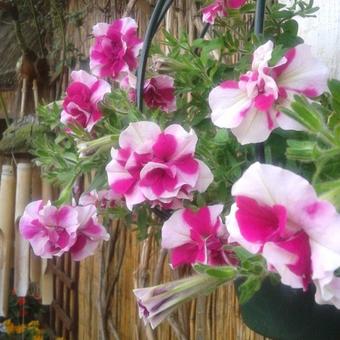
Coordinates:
[7,196]
[46,278]
[35,262]
[22,198]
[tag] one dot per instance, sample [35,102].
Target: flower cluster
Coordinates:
[53,231]
[276,214]
[251,107]
[31,330]
[155,166]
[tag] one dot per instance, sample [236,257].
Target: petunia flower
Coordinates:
[80,105]
[115,49]
[101,199]
[219,8]
[196,237]
[53,231]
[156,166]
[156,303]
[278,214]
[251,107]
[158,93]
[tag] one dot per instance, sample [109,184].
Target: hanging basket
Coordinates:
[283,313]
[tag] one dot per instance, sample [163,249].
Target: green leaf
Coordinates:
[334,87]
[249,287]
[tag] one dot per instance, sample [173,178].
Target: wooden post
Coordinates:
[46,278]
[35,262]
[22,198]
[7,196]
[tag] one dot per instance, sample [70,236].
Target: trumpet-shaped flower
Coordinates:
[157,303]
[251,107]
[115,49]
[80,105]
[277,213]
[196,237]
[53,231]
[159,91]
[155,166]
[219,8]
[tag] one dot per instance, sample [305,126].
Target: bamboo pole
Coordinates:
[22,198]
[7,196]
[46,276]
[35,262]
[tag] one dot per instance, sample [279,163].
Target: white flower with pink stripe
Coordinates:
[278,214]
[251,106]
[155,166]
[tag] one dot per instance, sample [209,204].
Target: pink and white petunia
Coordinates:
[278,214]
[80,105]
[156,166]
[251,107]
[53,231]
[219,8]
[89,233]
[196,237]
[115,49]
[101,199]
[159,91]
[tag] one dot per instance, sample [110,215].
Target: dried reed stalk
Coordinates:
[21,258]
[46,275]
[7,199]
[35,262]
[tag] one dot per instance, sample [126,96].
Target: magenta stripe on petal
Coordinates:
[229,84]
[122,186]
[259,223]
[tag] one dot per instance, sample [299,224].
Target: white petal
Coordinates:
[83,77]
[304,73]
[175,232]
[279,258]
[205,177]
[139,136]
[255,128]
[228,104]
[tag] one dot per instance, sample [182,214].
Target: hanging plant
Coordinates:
[226,147]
